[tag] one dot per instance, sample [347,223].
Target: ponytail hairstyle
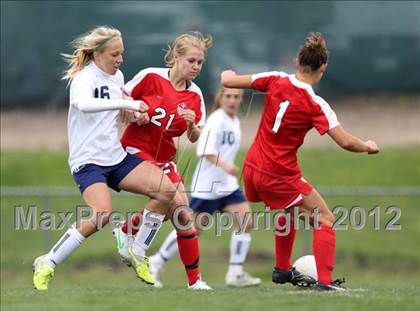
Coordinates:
[313,53]
[181,43]
[95,40]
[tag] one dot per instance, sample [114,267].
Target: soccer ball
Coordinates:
[307,265]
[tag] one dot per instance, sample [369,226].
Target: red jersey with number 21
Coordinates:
[152,85]
[291,109]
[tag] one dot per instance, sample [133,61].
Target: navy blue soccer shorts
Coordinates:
[90,174]
[210,206]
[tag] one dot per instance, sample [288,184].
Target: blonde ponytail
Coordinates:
[94,40]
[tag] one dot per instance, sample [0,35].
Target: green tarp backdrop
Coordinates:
[374,46]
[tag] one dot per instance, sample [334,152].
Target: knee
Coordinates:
[102,218]
[167,196]
[182,220]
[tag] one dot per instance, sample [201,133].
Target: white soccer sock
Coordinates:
[64,247]
[149,227]
[239,245]
[168,249]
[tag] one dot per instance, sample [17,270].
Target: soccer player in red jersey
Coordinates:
[176,106]
[271,171]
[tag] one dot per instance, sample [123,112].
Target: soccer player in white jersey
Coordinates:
[271,171]
[215,187]
[97,160]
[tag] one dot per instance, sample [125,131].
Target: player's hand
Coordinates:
[143,107]
[231,169]
[189,116]
[372,147]
[227,74]
[126,116]
[141,118]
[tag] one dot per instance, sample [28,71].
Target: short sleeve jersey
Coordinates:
[221,136]
[94,137]
[291,109]
[152,85]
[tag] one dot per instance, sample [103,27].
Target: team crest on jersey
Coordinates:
[181,108]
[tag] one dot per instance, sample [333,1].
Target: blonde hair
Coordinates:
[217,99]
[181,43]
[92,41]
[313,53]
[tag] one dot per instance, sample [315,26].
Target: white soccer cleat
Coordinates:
[199,285]
[156,270]
[242,279]
[123,242]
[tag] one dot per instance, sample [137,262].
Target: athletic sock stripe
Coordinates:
[163,257]
[236,263]
[187,236]
[170,244]
[150,237]
[238,247]
[194,265]
[64,239]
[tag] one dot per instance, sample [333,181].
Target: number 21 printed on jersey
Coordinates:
[161,113]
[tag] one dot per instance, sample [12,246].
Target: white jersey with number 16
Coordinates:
[94,136]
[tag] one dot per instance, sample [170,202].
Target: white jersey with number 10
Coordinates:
[221,136]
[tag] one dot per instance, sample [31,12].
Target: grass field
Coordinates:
[381,267]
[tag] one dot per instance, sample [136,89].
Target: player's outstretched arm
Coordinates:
[230,79]
[101,104]
[351,143]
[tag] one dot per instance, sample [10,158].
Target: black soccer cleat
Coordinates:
[335,286]
[292,276]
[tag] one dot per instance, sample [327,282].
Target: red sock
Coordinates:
[189,253]
[135,221]
[284,244]
[324,251]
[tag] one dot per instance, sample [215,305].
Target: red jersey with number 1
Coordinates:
[291,109]
[152,85]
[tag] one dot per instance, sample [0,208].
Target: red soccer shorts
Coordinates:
[275,192]
[168,168]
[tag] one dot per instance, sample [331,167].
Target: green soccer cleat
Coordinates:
[141,266]
[42,274]
[123,242]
